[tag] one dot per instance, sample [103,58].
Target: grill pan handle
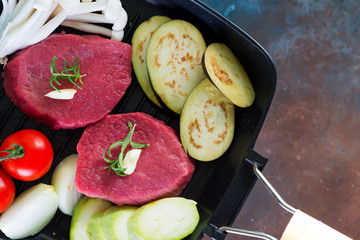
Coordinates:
[248,233]
[300,227]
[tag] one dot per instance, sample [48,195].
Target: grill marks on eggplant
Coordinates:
[174,62]
[229,76]
[222,75]
[140,43]
[178,62]
[207,122]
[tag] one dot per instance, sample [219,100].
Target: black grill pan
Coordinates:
[219,187]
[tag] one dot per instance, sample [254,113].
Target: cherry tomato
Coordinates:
[7,191]
[28,155]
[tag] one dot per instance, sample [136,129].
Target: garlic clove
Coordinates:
[64,94]
[130,160]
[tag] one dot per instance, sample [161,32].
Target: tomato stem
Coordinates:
[15,151]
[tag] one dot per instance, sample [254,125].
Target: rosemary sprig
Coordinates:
[117,164]
[71,73]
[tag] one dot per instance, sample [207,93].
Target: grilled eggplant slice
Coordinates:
[174,57]
[140,42]
[226,72]
[207,122]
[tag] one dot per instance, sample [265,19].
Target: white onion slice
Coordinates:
[31,211]
[63,180]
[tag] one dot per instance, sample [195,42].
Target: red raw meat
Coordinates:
[163,169]
[106,63]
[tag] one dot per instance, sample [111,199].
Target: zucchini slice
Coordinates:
[84,210]
[207,122]
[173,58]
[165,219]
[114,222]
[140,42]
[93,227]
[226,72]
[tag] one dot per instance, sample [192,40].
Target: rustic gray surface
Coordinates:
[312,135]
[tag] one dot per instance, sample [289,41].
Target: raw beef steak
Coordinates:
[163,169]
[106,63]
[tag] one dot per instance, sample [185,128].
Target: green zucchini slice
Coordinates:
[94,227]
[173,58]
[84,210]
[140,42]
[165,219]
[114,222]
[207,122]
[229,76]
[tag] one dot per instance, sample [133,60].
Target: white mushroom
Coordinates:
[70,6]
[6,14]
[112,13]
[86,7]
[22,35]
[48,28]
[22,12]
[121,21]
[113,9]
[89,17]
[87,27]
[27,22]
[117,35]
[43,5]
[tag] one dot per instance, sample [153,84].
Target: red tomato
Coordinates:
[37,155]
[7,191]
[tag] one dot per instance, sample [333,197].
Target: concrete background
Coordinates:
[312,133]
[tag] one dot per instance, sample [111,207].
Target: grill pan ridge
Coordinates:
[219,187]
